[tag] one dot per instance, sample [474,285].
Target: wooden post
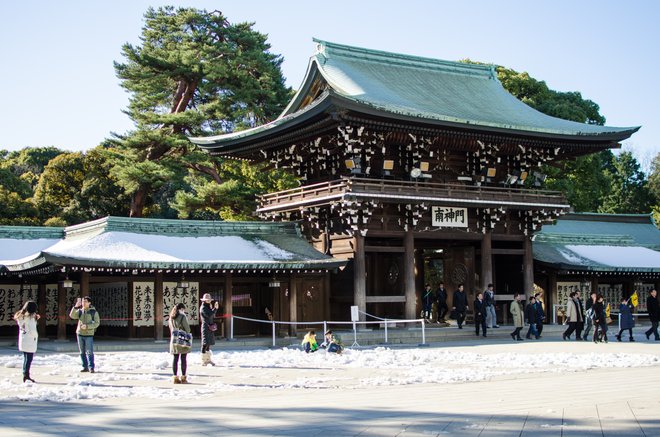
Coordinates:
[293,304]
[326,300]
[528,268]
[594,286]
[84,284]
[409,274]
[62,312]
[486,260]
[159,313]
[359,276]
[551,295]
[41,305]
[228,303]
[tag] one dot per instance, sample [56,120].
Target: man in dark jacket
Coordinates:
[654,315]
[540,314]
[530,314]
[489,300]
[589,314]
[441,297]
[427,300]
[480,313]
[459,305]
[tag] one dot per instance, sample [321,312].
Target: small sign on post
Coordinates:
[355,314]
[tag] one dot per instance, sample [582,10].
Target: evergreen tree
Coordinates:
[629,192]
[193,73]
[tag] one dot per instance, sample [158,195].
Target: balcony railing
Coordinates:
[390,191]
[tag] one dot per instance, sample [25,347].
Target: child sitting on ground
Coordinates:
[332,343]
[309,342]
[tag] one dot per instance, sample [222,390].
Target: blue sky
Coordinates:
[59,86]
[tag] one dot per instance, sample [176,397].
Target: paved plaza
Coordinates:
[262,399]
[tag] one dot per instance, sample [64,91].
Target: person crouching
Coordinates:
[309,342]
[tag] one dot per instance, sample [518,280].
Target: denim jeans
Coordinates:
[86,347]
[27,362]
[491,316]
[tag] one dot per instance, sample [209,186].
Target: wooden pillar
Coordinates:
[409,274]
[159,313]
[41,309]
[62,311]
[594,286]
[293,304]
[359,276]
[486,260]
[551,295]
[84,284]
[326,301]
[528,268]
[131,311]
[227,301]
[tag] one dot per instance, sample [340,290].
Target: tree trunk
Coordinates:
[137,202]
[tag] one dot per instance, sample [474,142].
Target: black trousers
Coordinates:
[621,332]
[481,323]
[460,318]
[653,330]
[572,326]
[516,332]
[442,310]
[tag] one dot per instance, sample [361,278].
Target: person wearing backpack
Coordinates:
[88,320]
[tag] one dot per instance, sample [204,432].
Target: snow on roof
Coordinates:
[618,256]
[125,246]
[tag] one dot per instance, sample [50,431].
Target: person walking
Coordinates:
[88,320]
[600,320]
[516,311]
[626,320]
[654,315]
[427,300]
[540,314]
[28,337]
[459,305]
[180,342]
[589,314]
[580,324]
[480,314]
[530,315]
[207,312]
[441,297]
[489,300]
[572,317]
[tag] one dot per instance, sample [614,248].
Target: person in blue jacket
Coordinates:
[626,320]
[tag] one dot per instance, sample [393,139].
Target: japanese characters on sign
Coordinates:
[449,217]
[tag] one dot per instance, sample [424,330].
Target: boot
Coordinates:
[176,380]
[184,379]
[206,359]
[210,358]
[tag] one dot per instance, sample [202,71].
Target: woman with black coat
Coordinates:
[207,318]
[600,320]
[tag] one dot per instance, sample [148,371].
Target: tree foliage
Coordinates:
[193,73]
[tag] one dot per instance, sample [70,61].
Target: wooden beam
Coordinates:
[508,251]
[528,268]
[385,249]
[159,311]
[409,274]
[385,299]
[131,310]
[486,260]
[360,276]
[62,312]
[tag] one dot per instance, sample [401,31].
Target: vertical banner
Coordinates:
[111,301]
[143,302]
[14,296]
[612,294]
[188,296]
[566,288]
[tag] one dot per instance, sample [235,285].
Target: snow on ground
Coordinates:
[148,375]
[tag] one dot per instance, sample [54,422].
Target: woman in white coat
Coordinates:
[28,336]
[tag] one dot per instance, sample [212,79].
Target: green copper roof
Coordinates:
[600,242]
[423,89]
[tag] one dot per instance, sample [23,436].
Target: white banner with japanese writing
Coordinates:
[72,294]
[449,217]
[144,306]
